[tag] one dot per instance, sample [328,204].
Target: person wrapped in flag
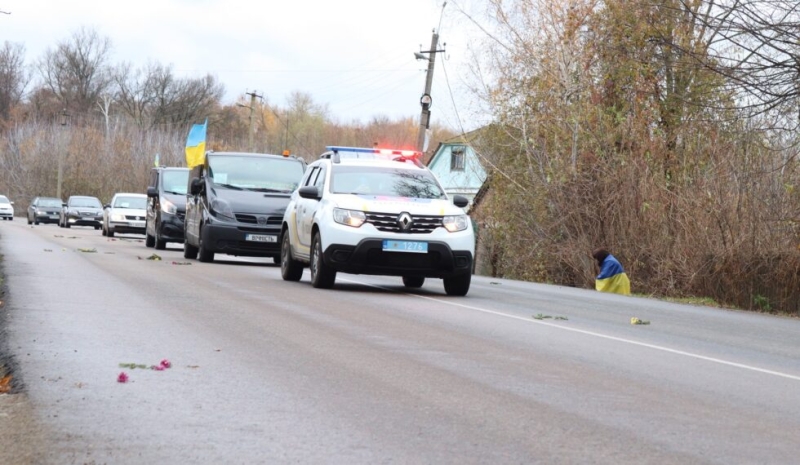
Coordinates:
[612,277]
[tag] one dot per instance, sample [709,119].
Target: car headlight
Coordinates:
[455,223]
[352,218]
[168,207]
[117,217]
[222,209]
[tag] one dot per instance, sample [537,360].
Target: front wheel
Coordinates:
[457,285]
[322,276]
[291,269]
[160,243]
[203,253]
[189,251]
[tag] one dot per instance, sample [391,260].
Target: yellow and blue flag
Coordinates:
[612,277]
[196,145]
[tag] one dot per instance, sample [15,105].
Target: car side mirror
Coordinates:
[152,192]
[309,192]
[460,201]
[196,186]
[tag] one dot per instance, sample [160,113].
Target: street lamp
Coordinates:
[64,121]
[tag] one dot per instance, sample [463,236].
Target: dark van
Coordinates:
[166,206]
[236,202]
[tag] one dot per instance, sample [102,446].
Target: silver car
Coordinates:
[125,214]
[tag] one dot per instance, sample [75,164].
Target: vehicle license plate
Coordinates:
[88,218]
[136,224]
[405,246]
[261,238]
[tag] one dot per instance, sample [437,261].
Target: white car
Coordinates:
[378,212]
[125,214]
[6,208]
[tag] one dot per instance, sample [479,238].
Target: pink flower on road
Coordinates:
[157,367]
[122,378]
[166,363]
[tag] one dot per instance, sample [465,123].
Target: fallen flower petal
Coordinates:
[157,367]
[122,378]
[166,363]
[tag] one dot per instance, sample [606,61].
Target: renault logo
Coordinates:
[404,221]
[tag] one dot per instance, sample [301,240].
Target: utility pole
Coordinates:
[64,120]
[426,101]
[252,108]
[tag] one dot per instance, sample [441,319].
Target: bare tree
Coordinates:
[13,77]
[77,70]
[153,96]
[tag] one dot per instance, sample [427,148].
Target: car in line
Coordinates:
[236,202]
[377,212]
[6,208]
[166,206]
[82,210]
[125,214]
[44,210]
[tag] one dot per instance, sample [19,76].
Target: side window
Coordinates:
[320,182]
[311,177]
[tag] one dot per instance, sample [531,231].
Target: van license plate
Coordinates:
[405,246]
[261,238]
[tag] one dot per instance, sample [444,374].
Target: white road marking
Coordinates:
[595,334]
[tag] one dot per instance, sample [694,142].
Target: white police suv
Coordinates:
[378,212]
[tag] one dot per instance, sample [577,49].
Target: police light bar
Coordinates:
[389,153]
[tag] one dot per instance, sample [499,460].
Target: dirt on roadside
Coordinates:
[20,436]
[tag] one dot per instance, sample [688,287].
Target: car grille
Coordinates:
[387,222]
[253,219]
[134,218]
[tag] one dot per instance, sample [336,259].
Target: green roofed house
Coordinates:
[458,166]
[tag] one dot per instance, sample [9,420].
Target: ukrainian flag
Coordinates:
[196,145]
[612,277]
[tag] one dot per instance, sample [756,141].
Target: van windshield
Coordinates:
[175,181]
[265,174]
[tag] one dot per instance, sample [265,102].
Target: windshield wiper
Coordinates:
[267,189]
[175,193]
[229,186]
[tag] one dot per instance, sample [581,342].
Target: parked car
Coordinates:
[125,214]
[377,212]
[236,203]
[166,206]
[6,208]
[82,210]
[44,210]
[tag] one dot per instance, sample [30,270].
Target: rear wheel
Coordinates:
[291,269]
[457,285]
[413,281]
[322,276]
[203,254]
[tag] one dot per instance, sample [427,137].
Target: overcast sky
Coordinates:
[356,56]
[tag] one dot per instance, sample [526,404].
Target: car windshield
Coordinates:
[4,199]
[88,202]
[263,174]
[175,181]
[130,202]
[49,203]
[397,182]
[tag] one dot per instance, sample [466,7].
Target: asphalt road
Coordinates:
[265,371]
